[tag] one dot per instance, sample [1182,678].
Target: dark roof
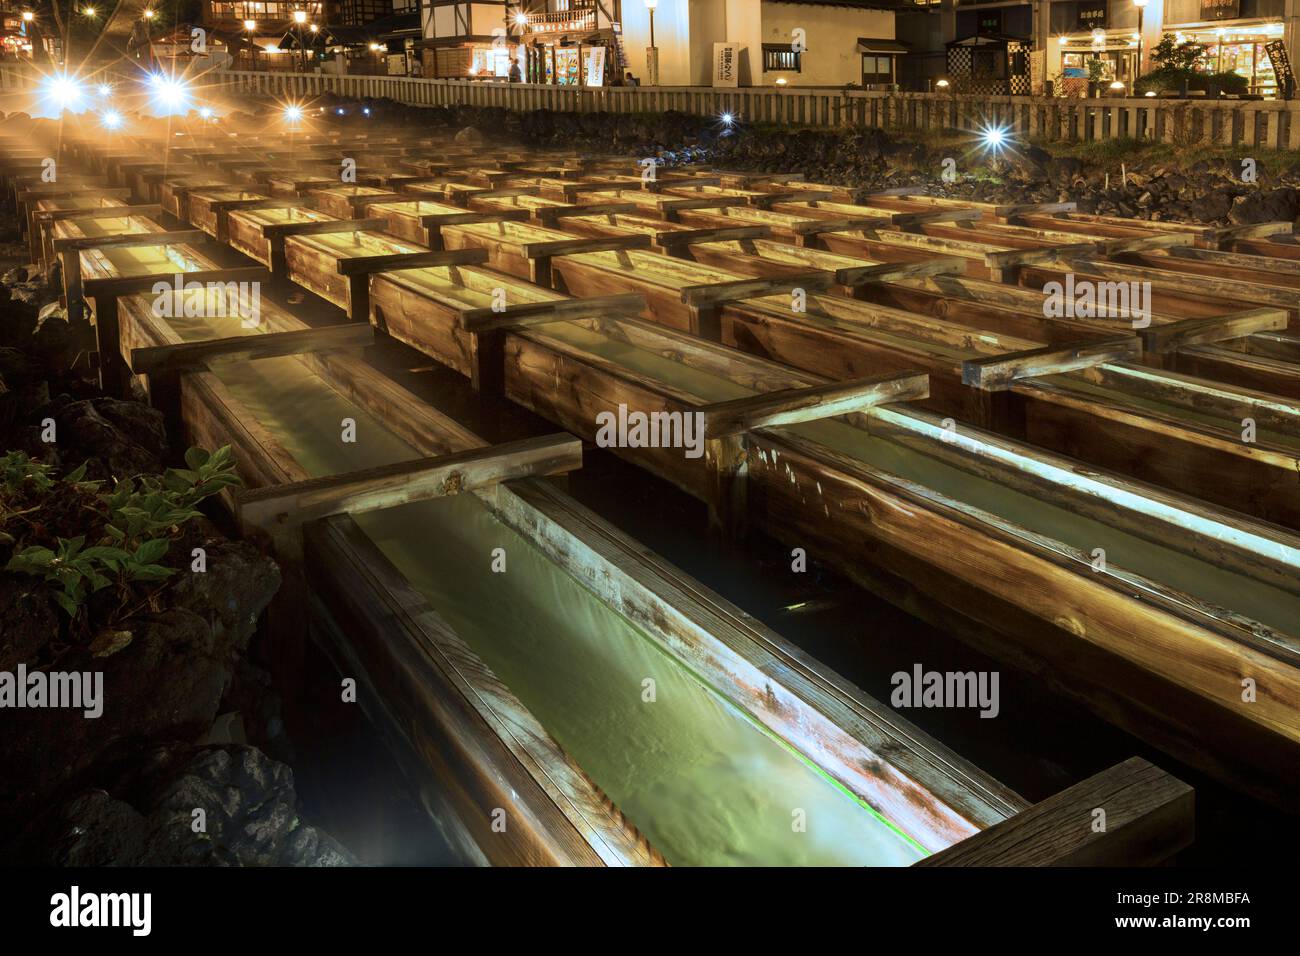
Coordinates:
[394,24]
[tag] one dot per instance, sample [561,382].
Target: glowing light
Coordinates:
[293,113]
[521,19]
[111,120]
[727,119]
[339,111]
[206,112]
[1149,93]
[148,14]
[169,93]
[780,81]
[314,28]
[63,91]
[994,138]
[250,25]
[90,11]
[942,84]
[300,16]
[273,49]
[1117,84]
[374,47]
[366,111]
[105,90]
[28,16]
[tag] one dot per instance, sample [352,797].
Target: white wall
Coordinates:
[672,37]
[831,56]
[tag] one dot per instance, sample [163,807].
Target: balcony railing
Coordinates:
[563,21]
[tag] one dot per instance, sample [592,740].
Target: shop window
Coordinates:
[777,58]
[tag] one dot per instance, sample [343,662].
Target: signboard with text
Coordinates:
[1091,16]
[1220,9]
[726,64]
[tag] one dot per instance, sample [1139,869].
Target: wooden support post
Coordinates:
[1148,817]
[997,372]
[280,507]
[276,233]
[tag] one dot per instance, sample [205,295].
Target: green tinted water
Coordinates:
[702,781]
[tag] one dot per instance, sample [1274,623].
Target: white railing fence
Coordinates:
[1265,124]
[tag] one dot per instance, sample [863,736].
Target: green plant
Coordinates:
[131,527]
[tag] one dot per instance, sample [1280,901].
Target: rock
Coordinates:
[1275,205]
[115,438]
[1212,206]
[469,136]
[1064,169]
[147,816]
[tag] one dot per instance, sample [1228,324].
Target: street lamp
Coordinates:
[652,54]
[299,18]
[1141,7]
[148,14]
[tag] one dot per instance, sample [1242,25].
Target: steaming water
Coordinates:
[698,777]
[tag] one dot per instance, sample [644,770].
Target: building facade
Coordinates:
[596,42]
[1073,42]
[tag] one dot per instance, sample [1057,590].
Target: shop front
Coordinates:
[566,62]
[1237,46]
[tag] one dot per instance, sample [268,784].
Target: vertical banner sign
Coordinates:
[726,65]
[596,66]
[1276,50]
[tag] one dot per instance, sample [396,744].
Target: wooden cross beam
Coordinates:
[907,220]
[282,230]
[1254,230]
[557,310]
[790,406]
[388,262]
[100,212]
[1033,208]
[1150,816]
[127,240]
[895,271]
[546,215]
[1213,328]
[715,293]
[815,227]
[996,373]
[279,507]
[468,217]
[767,200]
[192,356]
[671,239]
[572,247]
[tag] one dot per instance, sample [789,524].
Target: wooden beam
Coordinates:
[716,292]
[187,356]
[571,247]
[789,406]
[362,265]
[468,217]
[321,227]
[174,238]
[688,237]
[896,271]
[815,227]
[767,200]
[1033,208]
[1146,816]
[997,372]
[557,310]
[546,215]
[1213,328]
[99,212]
[905,220]
[278,507]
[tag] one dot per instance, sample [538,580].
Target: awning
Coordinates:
[870,45]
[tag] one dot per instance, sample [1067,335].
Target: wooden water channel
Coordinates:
[881,382]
